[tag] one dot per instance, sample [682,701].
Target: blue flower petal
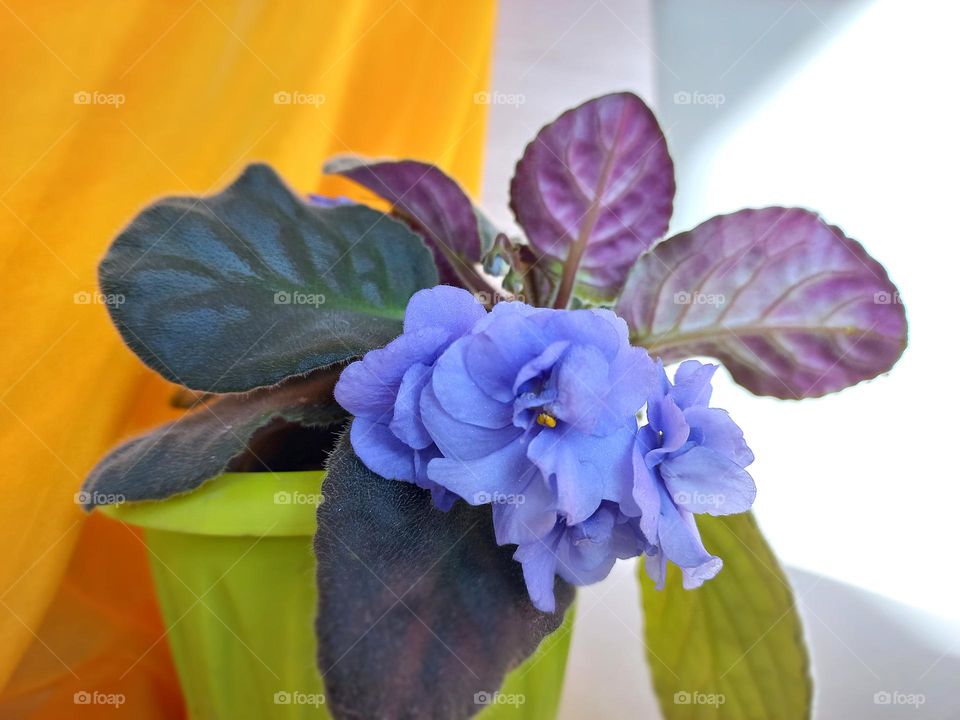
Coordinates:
[704,481]
[504,310]
[667,419]
[518,523]
[497,356]
[616,322]
[631,381]
[715,429]
[582,380]
[381,450]
[504,472]
[539,561]
[586,552]
[697,576]
[459,394]
[489,369]
[691,383]
[656,566]
[539,364]
[646,494]
[583,327]
[459,440]
[406,423]
[452,309]
[586,468]
[680,540]
[368,388]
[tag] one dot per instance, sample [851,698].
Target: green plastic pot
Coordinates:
[233,567]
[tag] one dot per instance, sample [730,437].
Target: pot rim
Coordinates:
[252,504]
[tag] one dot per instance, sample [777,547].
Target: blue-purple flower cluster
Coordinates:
[535,412]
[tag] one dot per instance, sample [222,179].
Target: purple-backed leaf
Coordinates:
[596,186]
[431,202]
[789,304]
[276,428]
[419,610]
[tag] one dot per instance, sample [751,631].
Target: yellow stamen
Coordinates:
[545,419]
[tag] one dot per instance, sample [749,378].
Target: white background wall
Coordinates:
[850,108]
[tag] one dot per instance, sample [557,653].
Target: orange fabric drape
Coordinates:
[106,106]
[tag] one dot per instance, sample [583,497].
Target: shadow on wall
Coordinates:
[715,57]
[873,657]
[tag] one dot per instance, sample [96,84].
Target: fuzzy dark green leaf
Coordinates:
[245,288]
[269,429]
[420,610]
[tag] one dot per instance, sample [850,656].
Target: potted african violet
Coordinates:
[471,425]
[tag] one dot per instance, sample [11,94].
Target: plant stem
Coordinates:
[471,277]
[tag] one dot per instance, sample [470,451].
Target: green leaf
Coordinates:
[245,288]
[734,647]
